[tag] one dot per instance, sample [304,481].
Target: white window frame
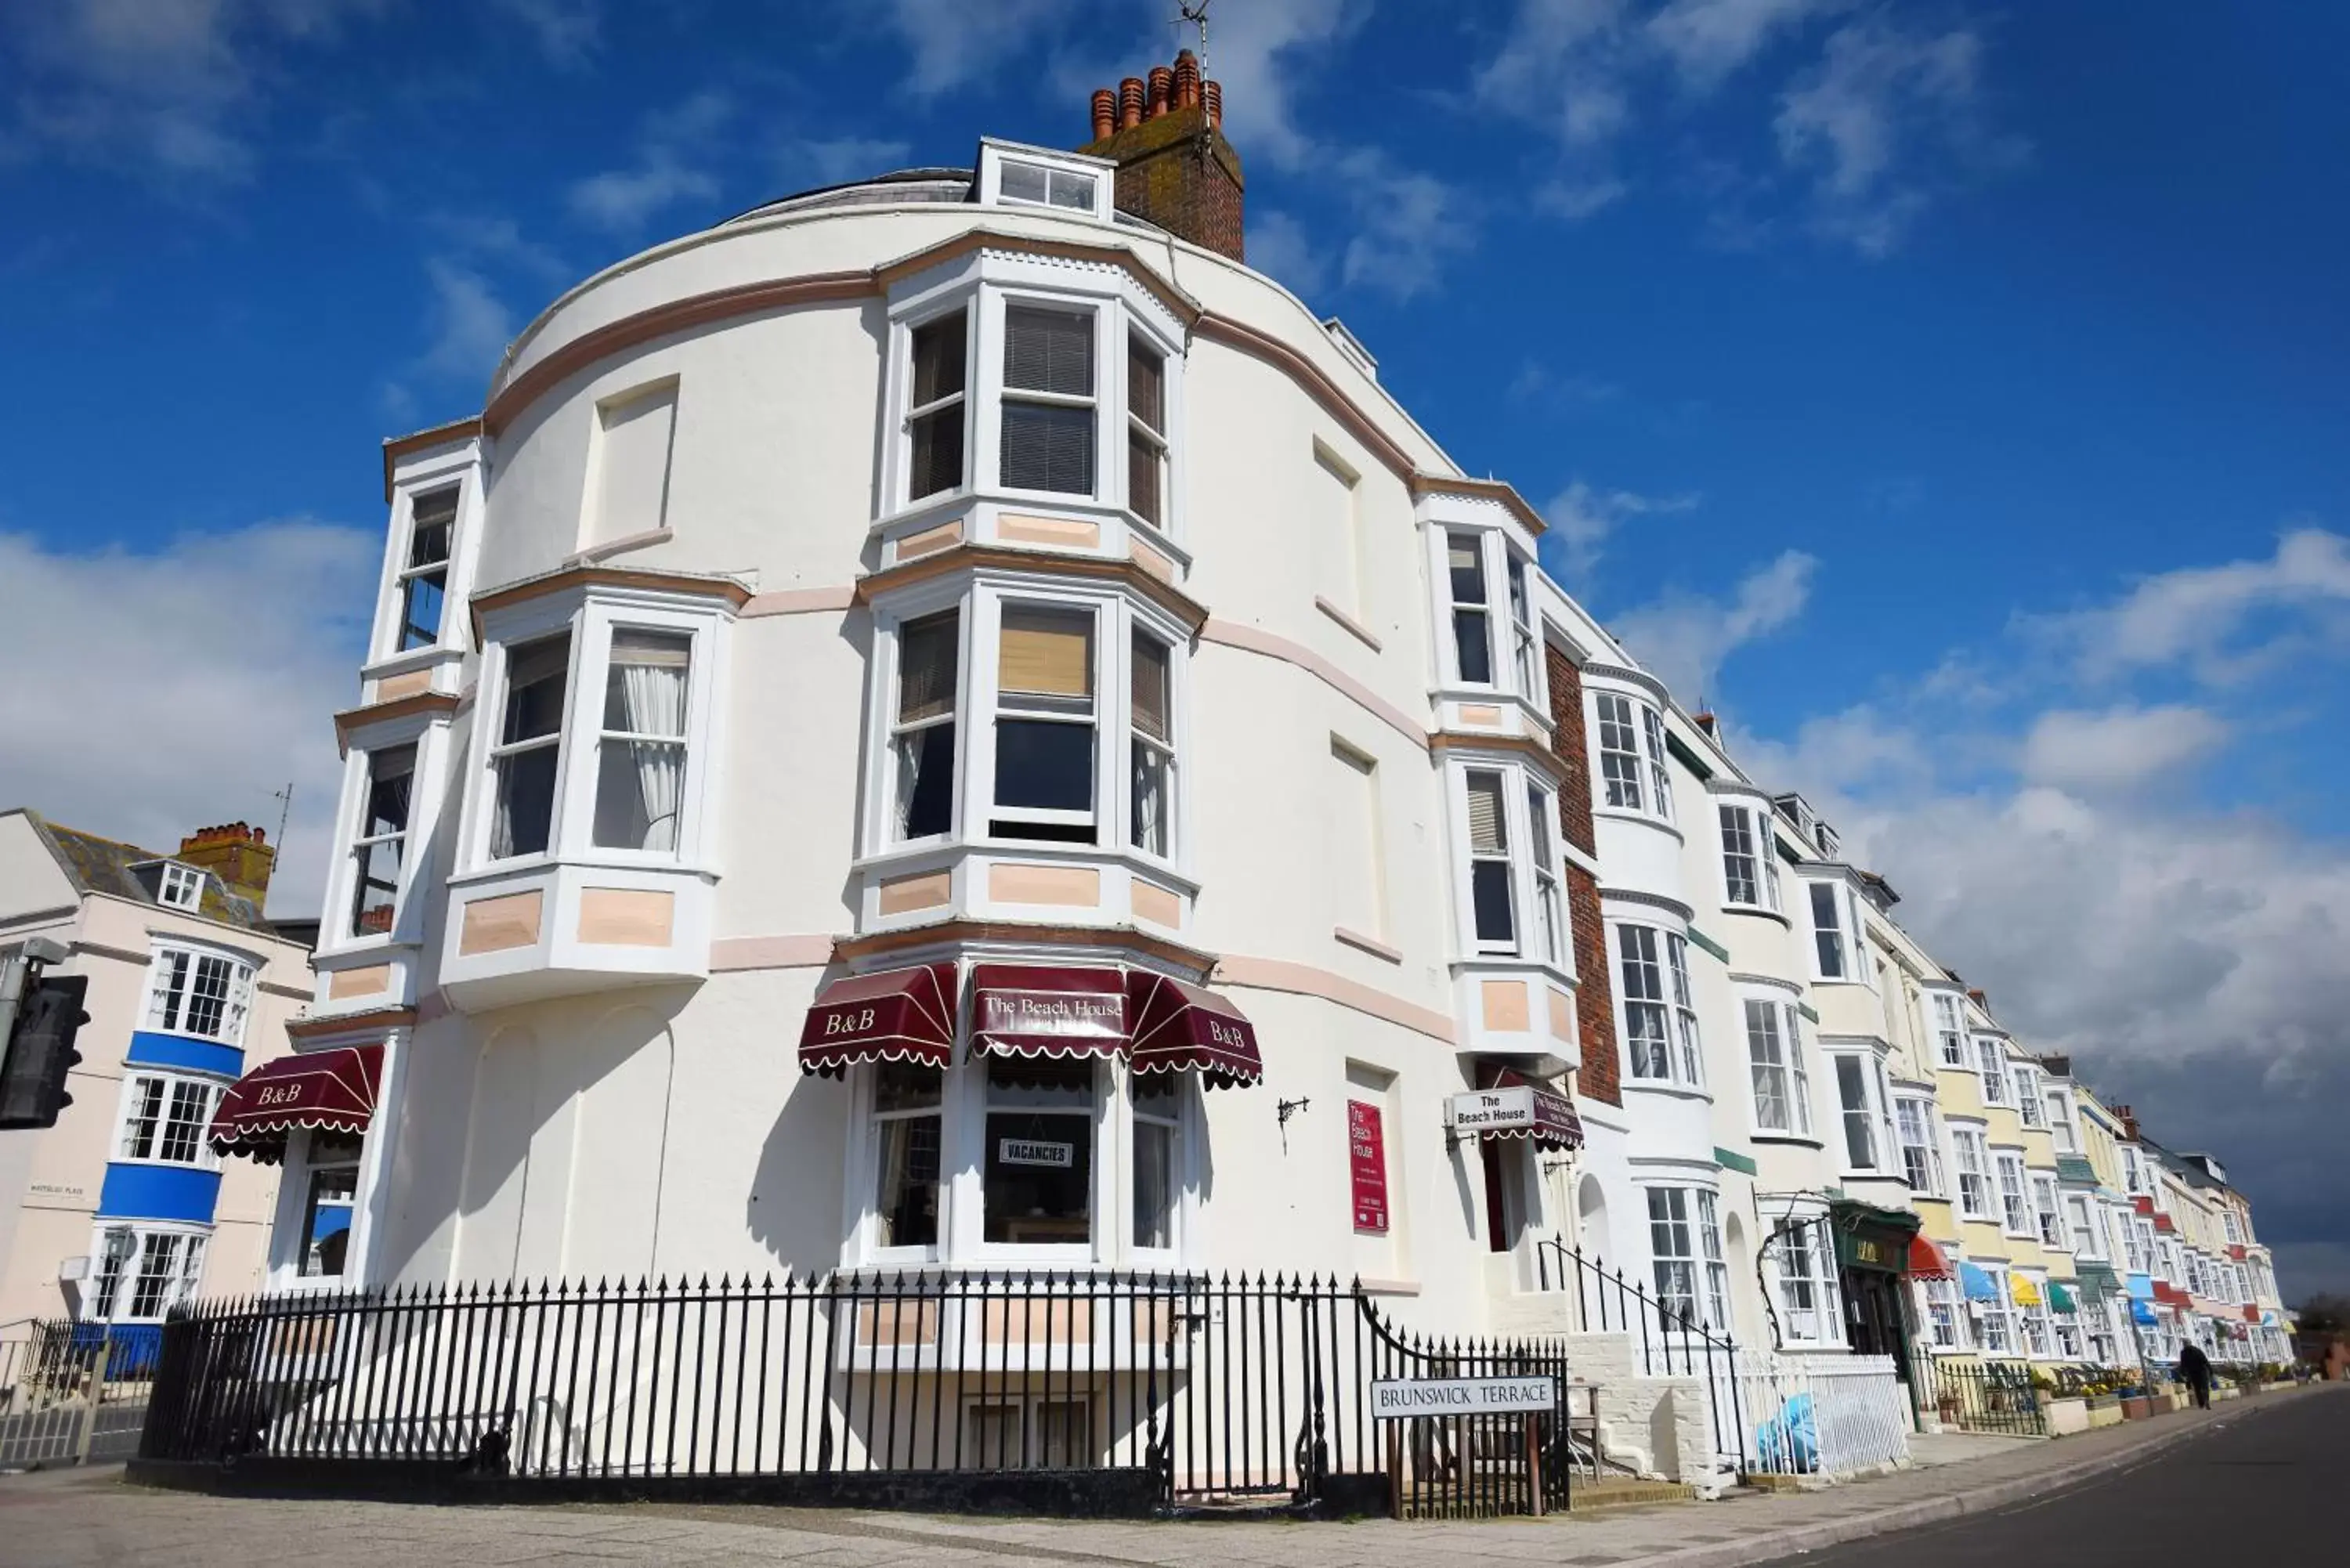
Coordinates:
[1663,952]
[400,567]
[286,1250]
[1946,1317]
[2080,1220]
[1783,1030]
[164,976]
[1753,823]
[2026,1082]
[1616,740]
[357,841]
[1095,172]
[1971,1157]
[179,886]
[1514,648]
[173,1085]
[1691,1222]
[1998,1314]
[2015,1205]
[1949,1029]
[182,1283]
[2032,1322]
[1846,949]
[2048,1217]
[1991,1065]
[1870,1111]
[1524,793]
[2058,1103]
[590,620]
[1812,1245]
[1928,1147]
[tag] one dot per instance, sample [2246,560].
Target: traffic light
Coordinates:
[41,1052]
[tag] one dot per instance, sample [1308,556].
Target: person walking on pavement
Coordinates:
[2195,1371]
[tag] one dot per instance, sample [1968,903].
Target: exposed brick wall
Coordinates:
[1177,172]
[1595,1005]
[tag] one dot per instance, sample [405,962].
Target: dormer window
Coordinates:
[181,888]
[1032,184]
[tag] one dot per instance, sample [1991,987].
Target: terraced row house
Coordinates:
[948,725]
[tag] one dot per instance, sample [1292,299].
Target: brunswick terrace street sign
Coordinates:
[1396,1398]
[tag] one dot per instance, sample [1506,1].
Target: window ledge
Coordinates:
[1371,945]
[1798,1140]
[1361,632]
[1388,1287]
[413,659]
[1645,818]
[1664,1086]
[941,854]
[1759,910]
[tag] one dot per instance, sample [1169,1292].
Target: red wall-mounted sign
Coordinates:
[1366,1162]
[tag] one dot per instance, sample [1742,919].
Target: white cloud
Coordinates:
[1709,40]
[1566,64]
[811,162]
[156,692]
[1683,637]
[2220,623]
[1576,200]
[957,41]
[1860,121]
[1582,519]
[568,33]
[165,87]
[1408,224]
[469,327]
[666,169]
[2118,749]
[1253,50]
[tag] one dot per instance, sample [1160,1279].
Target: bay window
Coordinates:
[2046,1213]
[193,992]
[1803,1257]
[1692,1278]
[1860,1142]
[1521,627]
[906,1125]
[1921,1158]
[2032,1312]
[641,754]
[1992,1058]
[922,729]
[139,1272]
[939,351]
[1660,778]
[424,571]
[163,1118]
[1151,744]
[525,758]
[1620,769]
[1550,915]
[1044,726]
[1036,1173]
[1491,898]
[1781,1083]
[1974,1173]
[1146,432]
[1750,875]
[2014,1214]
[1660,1037]
[1994,1329]
[1158,1133]
[1049,410]
[1827,930]
[1949,1029]
[1472,638]
[2059,1106]
[379,847]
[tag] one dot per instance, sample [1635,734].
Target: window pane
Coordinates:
[1047,447]
[536,677]
[208,996]
[926,764]
[640,785]
[421,599]
[1486,826]
[146,1112]
[936,462]
[1023,182]
[1490,889]
[1154,1184]
[938,355]
[1472,647]
[1465,557]
[1049,350]
[1824,931]
[1619,758]
[906,1200]
[928,653]
[1852,1090]
[1043,765]
[1142,478]
[644,689]
[326,1221]
[1151,805]
[1037,1177]
[1149,684]
[526,807]
[1146,385]
[389,773]
[432,517]
[1046,653]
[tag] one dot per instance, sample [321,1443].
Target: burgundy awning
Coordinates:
[1555,1123]
[1927,1261]
[1178,1026]
[325,1091]
[1033,1010]
[896,1015]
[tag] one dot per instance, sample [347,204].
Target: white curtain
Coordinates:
[654,695]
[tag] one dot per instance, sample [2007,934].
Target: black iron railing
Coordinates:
[1990,1396]
[1217,1389]
[1670,1337]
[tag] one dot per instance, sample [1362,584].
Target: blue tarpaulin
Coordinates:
[2141,1313]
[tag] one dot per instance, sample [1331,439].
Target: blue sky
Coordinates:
[1949,393]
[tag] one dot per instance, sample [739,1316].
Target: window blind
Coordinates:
[1486,834]
[1047,447]
[1468,569]
[1046,652]
[1150,688]
[1146,383]
[1049,351]
[927,655]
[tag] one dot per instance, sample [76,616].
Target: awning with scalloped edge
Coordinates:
[1927,1261]
[322,1091]
[1179,1026]
[896,1015]
[1036,1010]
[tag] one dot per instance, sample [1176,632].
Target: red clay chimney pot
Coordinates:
[1129,103]
[1213,95]
[1104,113]
[1186,80]
[1162,88]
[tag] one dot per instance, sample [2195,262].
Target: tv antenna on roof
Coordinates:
[285,798]
[1196,13]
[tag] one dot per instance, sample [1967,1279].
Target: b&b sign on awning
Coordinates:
[1398,1398]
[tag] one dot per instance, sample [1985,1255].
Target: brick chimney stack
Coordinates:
[1165,133]
[238,855]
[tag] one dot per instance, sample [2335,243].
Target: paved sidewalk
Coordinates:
[69,1518]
